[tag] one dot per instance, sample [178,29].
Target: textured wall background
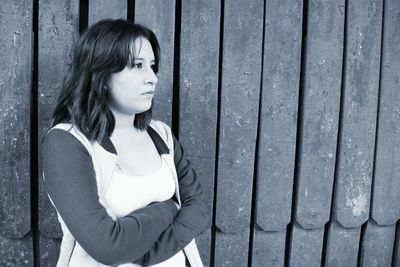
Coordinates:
[289,110]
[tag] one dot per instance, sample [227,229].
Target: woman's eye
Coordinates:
[137,65]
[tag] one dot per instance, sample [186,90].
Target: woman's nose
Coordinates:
[151,77]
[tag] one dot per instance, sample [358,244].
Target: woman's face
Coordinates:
[132,89]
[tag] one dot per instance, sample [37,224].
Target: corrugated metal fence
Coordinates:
[289,110]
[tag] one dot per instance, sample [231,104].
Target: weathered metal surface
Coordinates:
[203,243]
[198,93]
[322,83]
[16,252]
[268,248]
[231,249]
[377,246]
[239,111]
[159,16]
[396,251]
[277,140]
[49,251]
[361,84]
[342,245]
[198,78]
[58,30]
[101,9]
[15,90]
[386,192]
[241,74]
[306,246]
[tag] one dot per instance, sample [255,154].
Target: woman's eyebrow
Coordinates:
[139,58]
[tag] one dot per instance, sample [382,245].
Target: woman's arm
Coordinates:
[192,218]
[70,181]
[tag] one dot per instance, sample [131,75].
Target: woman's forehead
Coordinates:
[141,47]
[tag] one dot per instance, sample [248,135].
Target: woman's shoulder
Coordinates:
[67,128]
[60,132]
[161,127]
[59,144]
[66,134]
[159,124]
[164,130]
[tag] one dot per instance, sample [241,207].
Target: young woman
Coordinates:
[124,192]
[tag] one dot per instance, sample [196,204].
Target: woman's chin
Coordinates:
[132,111]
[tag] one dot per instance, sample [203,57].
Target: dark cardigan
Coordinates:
[71,184]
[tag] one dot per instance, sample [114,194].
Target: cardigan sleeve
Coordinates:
[192,218]
[70,182]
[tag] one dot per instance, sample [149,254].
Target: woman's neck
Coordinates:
[123,121]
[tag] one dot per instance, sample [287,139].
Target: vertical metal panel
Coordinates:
[277,139]
[15,86]
[50,251]
[377,246]
[386,192]
[322,83]
[231,249]
[396,251]
[101,9]
[361,86]
[58,30]
[159,16]
[268,248]
[342,245]
[242,51]
[15,91]
[198,96]
[16,252]
[306,246]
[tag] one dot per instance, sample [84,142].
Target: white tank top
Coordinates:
[126,193]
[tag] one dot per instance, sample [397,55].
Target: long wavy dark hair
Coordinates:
[103,49]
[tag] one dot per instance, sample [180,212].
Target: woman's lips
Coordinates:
[148,93]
